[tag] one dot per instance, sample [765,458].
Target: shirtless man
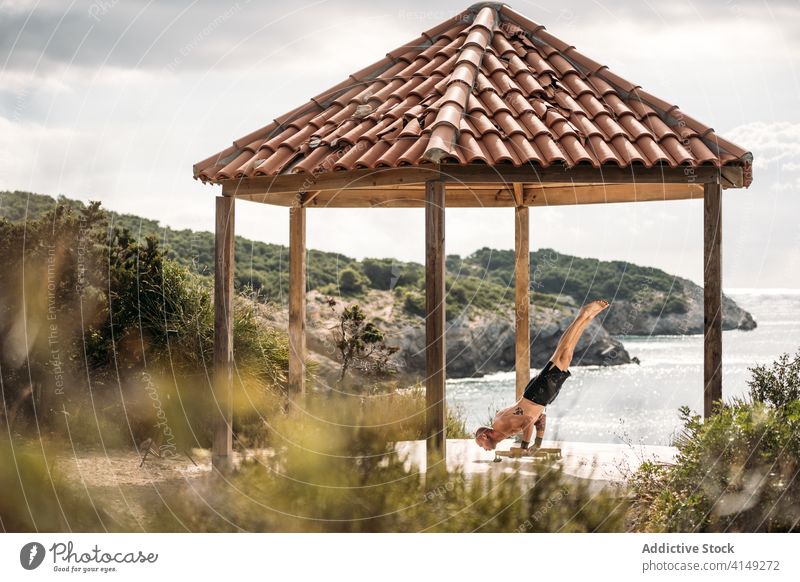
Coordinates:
[527,413]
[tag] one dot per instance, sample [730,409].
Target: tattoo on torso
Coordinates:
[518,411]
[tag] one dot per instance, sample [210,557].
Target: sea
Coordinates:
[639,403]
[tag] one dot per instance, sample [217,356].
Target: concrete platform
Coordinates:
[606,465]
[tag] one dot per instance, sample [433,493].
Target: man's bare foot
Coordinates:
[592,309]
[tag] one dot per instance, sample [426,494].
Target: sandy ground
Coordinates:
[127,492]
[98,469]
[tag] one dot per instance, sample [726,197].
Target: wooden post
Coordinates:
[435,324]
[522,275]
[297,299]
[221,449]
[712,297]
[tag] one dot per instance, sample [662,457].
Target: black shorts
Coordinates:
[544,388]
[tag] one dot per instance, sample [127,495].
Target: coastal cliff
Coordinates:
[631,317]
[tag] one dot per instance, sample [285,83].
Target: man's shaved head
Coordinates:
[487,438]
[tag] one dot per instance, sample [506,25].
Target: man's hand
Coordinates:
[529,449]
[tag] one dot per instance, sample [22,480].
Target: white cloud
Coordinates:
[18,6]
[20,144]
[25,82]
[791,185]
[46,159]
[771,142]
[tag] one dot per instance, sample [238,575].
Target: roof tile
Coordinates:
[470,150]
[414,153]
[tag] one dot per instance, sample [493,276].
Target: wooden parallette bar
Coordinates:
[544,453]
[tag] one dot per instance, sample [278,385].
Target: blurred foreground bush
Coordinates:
[328,465]
[737,471]
[36,499]
[333,468]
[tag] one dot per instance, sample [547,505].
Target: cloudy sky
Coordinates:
[114,100]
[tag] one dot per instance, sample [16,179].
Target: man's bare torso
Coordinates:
[517,417]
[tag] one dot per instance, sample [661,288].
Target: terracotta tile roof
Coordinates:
[487,86]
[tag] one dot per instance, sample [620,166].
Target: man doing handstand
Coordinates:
[527,413]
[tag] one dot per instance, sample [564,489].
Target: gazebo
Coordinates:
[487,109]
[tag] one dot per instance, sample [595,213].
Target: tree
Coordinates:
[360,341]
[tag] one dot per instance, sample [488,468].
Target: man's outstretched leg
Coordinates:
[545,386]
[562,356]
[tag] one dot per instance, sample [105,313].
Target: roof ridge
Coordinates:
[461,82]
[478,6]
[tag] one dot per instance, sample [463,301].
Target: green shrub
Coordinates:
[673,304]
[777,385]
[384,274]
[413,302]
[351,282]
[734,472]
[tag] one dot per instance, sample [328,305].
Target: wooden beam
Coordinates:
[222,445]
[519,195]
[732,176]
[522,272]
[435,325]
[712,298]
[308,198]
[330,180]
[297,299]
[467,174]
[463,197]
[579,174]
[609,193]
[487,195]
